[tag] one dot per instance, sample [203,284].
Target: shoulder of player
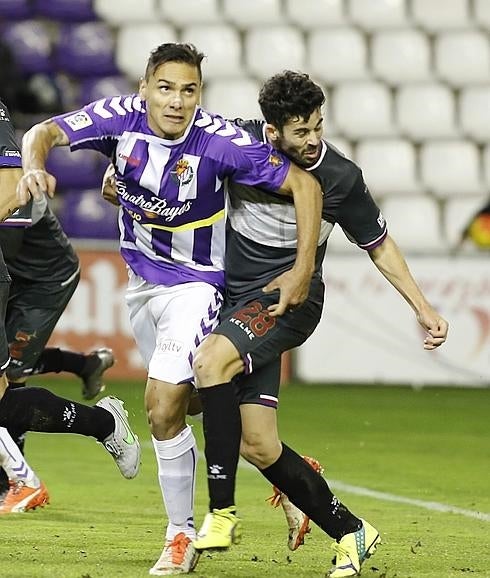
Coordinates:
[336,168]
[226,133]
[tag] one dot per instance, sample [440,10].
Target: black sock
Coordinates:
[37,409]
[54,360]
[222,432]
[309,491]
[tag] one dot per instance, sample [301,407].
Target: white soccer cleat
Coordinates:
[123,443]
[178,557]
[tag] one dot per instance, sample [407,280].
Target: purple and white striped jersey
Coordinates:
[172,192]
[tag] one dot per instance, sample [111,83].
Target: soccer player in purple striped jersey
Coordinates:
[172,159]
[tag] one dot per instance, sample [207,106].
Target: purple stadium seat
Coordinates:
[86,50]
[30,43]
[77,170]
[65,10]
[15,10]
[95,88]
[85,214]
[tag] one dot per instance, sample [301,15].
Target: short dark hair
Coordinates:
[174,52]
[287,95]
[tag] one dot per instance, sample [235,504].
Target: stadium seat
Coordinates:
[474,111]
[221,45]
[85,49]
[457,214]
[84,213]
[119,12]
[134,44]
[338,242]
[377,14]
[337,54]
[92,89]
[463,57]
[389,165]
[196,12]
[486,165]
[414,222]
[284,48]
[15,9]
[450,167]
[75,170]
[252,13]
[482,13]
[341,143]
[310,14]
[434,15]
[362,109]
[30,42]
[65,10]
[232,97]
[408,46]
[426,111]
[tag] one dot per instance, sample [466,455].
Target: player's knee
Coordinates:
[260,451]
[207,363]
[165,420]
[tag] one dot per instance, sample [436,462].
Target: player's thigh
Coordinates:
[260,338]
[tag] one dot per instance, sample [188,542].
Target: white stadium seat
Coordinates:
[134,44]
[341,143]
[362,109]
[401,56]
[388,165]
[482,13]
[232,98]
[221,45]
[252,13]
[337,54]
[457,213]
[434,15]
[463,57]
[474,111]
[378,13]
[414,222]
[315,13]
[451,168]
[426,111]
[122,11]
[270,49]
[486,165]
[195,12]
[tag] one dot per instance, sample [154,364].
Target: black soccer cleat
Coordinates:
[95,365]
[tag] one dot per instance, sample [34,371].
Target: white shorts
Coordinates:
[169,323]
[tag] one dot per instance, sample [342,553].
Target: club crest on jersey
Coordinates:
[275,160]
[183,172]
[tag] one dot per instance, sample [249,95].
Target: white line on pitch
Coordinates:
[383,496]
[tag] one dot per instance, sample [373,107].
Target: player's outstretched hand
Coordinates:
[35,183]
[293,290]
[435,325]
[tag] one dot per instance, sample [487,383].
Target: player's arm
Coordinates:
[294,284]
[392,265]
[108,191]
[36,144]
[9,177]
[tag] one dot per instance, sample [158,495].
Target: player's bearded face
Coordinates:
[171,95]
[300,139]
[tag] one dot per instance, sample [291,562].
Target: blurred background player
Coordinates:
[170,174]
[37,409]
[249,340]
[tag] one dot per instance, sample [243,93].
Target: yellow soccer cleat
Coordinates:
[220,529]
[353,549]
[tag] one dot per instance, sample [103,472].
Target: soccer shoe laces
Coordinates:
[178,547]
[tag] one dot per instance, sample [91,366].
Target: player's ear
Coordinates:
[142,89]
[271,132]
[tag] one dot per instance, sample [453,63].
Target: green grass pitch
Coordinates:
[431,445]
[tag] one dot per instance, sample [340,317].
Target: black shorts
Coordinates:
[33,311]
[261,339]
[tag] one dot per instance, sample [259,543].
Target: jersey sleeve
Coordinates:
[99,124]
[9,150]
[360,217]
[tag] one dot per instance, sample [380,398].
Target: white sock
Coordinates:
[14,463]
[177,463]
